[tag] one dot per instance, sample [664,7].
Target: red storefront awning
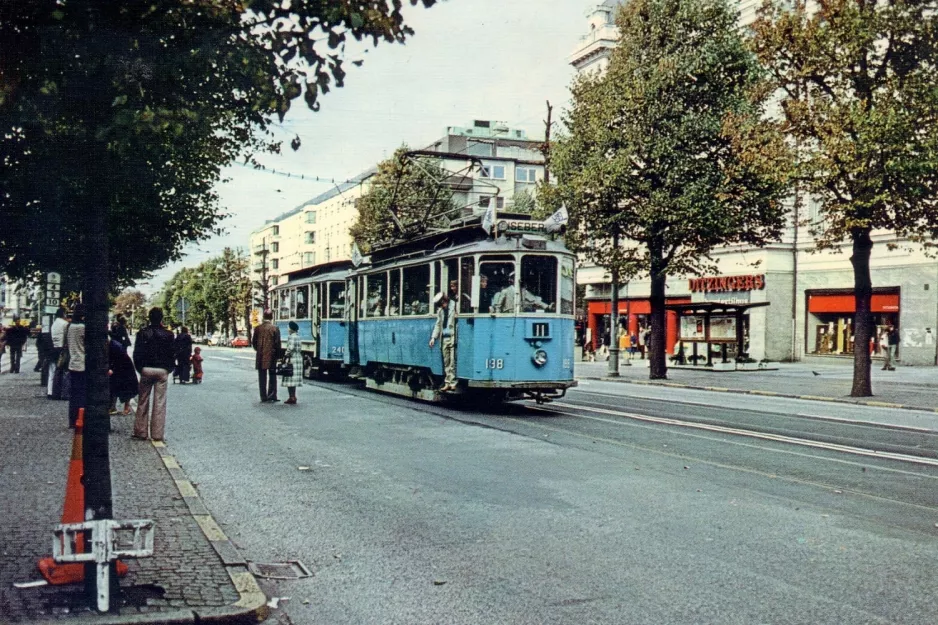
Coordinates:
[846,303]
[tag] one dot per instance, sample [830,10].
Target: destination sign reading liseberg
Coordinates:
[513,226]
[727,283]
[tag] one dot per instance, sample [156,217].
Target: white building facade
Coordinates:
[798,303]
[490,161]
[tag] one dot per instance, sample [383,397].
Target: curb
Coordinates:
[718,389]
[251,607]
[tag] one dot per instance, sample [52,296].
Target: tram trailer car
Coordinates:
[314,298]
[514,326]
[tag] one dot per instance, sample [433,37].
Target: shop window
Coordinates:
[336,300]
[538,284]
[417,290]
[377,289]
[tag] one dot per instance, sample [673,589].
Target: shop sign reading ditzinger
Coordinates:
[727,283]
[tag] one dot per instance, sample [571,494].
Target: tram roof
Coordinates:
[462,240]
[338,270]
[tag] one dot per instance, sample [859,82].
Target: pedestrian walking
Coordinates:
[45,350]
[17,334]
[445,330]
[75,342]
[892,344]
[266,342]
[54,388]
[153,360]
[122,377]
[182,348]
[294,356]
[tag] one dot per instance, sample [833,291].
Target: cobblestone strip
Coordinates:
[251,607]
[876,404]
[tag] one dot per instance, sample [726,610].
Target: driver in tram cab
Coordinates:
[445,330]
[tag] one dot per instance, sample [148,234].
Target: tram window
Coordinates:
[302,299]
[496,287]
[336,300]
[377,295]
[417,290]
[283,310]
[567,288]
[539,284]
[394,299]
[467,269]
[451,270]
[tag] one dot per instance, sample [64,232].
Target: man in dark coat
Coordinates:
[266,342]
[16,339]
[153,359]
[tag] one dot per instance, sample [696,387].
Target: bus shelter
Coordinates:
[714,328]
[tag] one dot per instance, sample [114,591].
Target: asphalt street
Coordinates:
[621,504]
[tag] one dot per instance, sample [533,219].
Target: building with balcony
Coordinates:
[489,163]
[785,301]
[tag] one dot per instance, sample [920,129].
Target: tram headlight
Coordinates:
[539,357]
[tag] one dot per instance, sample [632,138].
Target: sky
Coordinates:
[499,60]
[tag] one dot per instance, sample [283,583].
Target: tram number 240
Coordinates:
[494,363]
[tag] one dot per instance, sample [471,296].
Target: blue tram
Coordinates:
[515,315]
[315,299]
[514,327]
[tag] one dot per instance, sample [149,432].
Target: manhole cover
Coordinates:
[293,569]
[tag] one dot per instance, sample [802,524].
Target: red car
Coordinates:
[240,341]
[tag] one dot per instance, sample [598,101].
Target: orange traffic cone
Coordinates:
[73,512]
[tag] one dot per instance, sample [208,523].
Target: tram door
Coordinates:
[315,306]
[352,309]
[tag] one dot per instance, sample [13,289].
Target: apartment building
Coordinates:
[785,301]
[488,162]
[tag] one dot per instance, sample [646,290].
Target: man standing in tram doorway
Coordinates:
[445,329]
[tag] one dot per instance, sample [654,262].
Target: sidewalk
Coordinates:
[195,574]
[906,387]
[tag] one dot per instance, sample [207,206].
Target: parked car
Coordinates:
[240,341]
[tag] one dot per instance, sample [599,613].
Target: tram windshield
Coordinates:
[539,284]
[336,300]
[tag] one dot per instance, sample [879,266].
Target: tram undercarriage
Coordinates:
[420,383]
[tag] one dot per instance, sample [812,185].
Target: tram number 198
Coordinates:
[494,363]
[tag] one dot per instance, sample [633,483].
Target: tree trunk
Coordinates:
[863,322]
[97,425]
[658,365]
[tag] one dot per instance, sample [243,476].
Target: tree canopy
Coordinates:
[858,89]
[136,107]
[655,164]
[410,190]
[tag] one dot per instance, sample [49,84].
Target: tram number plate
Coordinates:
[494,363]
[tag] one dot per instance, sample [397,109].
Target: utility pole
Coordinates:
[545,149]
[614,316]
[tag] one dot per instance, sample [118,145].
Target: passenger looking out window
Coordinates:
[417,290]
[336,300]
[539,284]
[302,311]
[497,284]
